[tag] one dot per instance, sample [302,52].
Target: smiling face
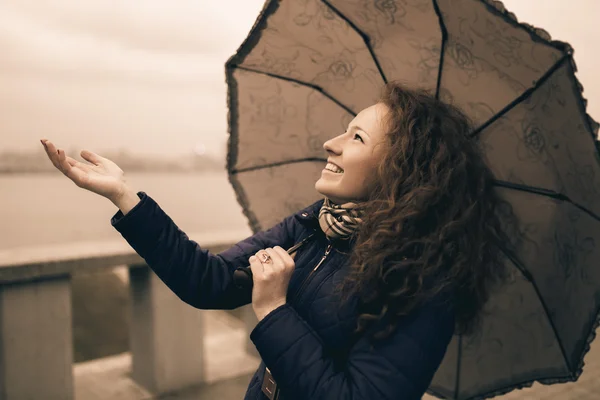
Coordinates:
[357,152]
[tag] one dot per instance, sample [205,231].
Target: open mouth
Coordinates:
[333,169]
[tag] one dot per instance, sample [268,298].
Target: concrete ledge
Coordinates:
[39,262]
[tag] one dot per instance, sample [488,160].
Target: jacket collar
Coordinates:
[309,216]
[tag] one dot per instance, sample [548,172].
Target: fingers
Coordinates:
[280,259]
[276,262]
[65,167]
[76,164]
[73,169]
[256,267]
[286,258]
[280,264]
[91,157]
[51,153]
[57,156]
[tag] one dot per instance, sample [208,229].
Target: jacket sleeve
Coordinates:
[399,368]
[198,277]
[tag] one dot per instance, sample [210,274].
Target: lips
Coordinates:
[331,162]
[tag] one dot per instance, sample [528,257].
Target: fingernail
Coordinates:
[252,259]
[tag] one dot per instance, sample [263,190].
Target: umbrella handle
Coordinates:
[242,276]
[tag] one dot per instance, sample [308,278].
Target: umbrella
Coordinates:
[308,66]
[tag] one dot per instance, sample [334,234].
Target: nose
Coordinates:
[331,146]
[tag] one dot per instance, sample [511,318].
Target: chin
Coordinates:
[323,187]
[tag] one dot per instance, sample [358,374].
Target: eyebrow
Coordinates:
[356,127]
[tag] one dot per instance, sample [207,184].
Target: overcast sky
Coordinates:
[149,75]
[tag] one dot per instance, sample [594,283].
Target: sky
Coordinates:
[108,74]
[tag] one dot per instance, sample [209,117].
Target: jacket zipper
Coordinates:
[305,282]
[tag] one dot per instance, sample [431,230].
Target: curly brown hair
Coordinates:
[434,220]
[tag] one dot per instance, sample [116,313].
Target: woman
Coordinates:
[403,255]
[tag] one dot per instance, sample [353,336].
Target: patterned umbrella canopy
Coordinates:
[309,66]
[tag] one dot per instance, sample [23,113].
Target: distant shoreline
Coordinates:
[128,170]
[12,163]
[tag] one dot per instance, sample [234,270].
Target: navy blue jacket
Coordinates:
[307,343]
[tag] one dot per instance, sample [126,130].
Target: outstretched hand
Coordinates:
[100,176]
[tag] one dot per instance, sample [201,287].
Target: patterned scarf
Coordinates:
[339,221]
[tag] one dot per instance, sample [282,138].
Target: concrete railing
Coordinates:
[36,338]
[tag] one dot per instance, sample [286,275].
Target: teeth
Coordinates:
[333,168]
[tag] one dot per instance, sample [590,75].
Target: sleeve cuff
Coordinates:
[279,331]
[264,323]
[119,218]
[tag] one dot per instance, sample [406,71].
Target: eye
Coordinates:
[357,135]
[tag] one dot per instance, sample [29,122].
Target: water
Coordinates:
[41,209]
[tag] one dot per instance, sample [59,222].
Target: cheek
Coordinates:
[365,176]
[358,178]
[364,170]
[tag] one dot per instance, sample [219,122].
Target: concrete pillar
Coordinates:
[166,335]
[36,343]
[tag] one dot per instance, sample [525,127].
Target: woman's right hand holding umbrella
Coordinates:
[101,176]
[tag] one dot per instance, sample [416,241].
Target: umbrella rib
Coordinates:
[544,192]
[310,85]
[517,263]
[436,7]
[363,35]
[277,164]
[523,96]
